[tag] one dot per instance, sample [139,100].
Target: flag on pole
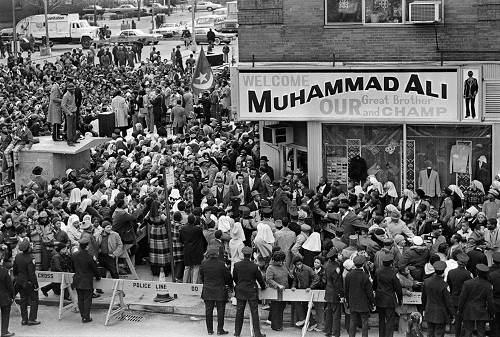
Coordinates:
[203,78]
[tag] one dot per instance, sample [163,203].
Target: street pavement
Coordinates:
[165,46]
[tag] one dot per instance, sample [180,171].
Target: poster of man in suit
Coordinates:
[471,78]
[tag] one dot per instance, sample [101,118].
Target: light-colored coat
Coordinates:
[120,108]
[430,185]
[55,113]
[115,245]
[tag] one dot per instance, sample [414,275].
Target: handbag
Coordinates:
[143,112]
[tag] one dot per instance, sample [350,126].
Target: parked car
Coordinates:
[169,29]
[25,44]
[209,21]
[201,36]
[220,11]
[135,35]
[90,10]
[159,8]
[205,6]
[124,9]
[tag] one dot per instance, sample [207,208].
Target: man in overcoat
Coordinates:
[55,112]
[245,274]
[456,279]
[436,301]
[334,293]
[494,279]
[7,295]
[191,236]
[215,277]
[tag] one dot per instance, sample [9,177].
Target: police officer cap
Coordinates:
[333,252]
[359,260]
[23,245]
[388,257]
[439,265]
[496,257]
[247,251]
[482,268]
[464,258]
[266,210]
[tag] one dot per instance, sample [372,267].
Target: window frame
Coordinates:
[404,13]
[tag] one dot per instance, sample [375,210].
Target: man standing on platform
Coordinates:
[69,108]
[26,284]
[436,301]
[7,295]
[476,305]
[215,276]
[54,114]
[85,269]
[245,274]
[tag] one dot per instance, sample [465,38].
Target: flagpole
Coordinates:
[193,17]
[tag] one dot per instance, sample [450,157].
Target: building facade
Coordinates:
[373,87]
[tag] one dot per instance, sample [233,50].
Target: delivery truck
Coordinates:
[63,28]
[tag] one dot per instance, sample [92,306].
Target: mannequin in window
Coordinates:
[428,181]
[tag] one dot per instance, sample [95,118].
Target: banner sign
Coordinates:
[364,94]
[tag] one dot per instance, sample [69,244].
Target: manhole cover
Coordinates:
[131,318]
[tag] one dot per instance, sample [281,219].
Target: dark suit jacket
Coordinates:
[456,279]
[6,288]
[24,270]
[257,184]
[85,270]
[388,291]
[194,242]
[436,300]
[245,273]
[334,283]
[347,223]
[358,291]
[215,276]
[494,278]
[234,193]
[326,190]
[280,205]
[225,190]
[266,187]
[476,300]
[476,257]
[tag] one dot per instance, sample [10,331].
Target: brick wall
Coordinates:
[293,30]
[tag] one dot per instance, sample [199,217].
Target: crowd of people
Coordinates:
[235,223]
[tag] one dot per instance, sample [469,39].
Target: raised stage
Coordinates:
[55,158]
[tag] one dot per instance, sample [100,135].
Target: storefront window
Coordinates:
[353,152]
[295,159]
[383,11]
[344,11]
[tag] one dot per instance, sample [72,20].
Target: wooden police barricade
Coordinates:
[65,279]
[155,287]
[415,299]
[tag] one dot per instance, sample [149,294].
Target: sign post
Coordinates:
[168,181]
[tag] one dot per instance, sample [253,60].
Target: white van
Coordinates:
[63,28]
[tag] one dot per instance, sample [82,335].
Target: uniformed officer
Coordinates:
[85,270]
[215,276]
[436,301]
[494,279]
[334,294]
[456,280]
[359,296]
[388,295]
[475,305]
[245,274]
[7,295]
[26,284]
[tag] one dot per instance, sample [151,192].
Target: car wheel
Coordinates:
[210,9]
[217,41]
[86,42]
[189,9]
[156,42]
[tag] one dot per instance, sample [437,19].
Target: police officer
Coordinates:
[7,295]
[456,280]
[388,295]
[245,273]
[494,279]
[334,294]
[26,284]
[475,305]
[436,301]
[85,269]
[215,276]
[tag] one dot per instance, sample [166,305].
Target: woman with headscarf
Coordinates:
[457,196]
[75,196]
[390,194]
[236,243]
[86,207]
[474,196]
[73,229]
[264,240]
[159,251]
[407,201]
[374,185]
[312,248]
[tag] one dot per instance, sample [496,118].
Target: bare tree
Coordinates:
[51,5]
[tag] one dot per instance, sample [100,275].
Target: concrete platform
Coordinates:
[55,158]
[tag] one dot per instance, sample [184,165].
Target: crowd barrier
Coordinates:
[122,286]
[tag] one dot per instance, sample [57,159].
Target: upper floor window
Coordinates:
[367,11]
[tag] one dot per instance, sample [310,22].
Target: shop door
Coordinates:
[294,158]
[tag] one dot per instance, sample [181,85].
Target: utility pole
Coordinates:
[193,17]
[152,16]
[14,33]
[47,46]
[168,10]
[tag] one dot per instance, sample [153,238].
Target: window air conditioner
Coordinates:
[425,12]
[278,134]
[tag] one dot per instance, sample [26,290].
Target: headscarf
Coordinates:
[114,193]
[144,190]
[455,189]
[390,208]
[85,203]
[410,199]
[313,243]
[479,185]
[376,185]
[265,233]
[75,196]
[236,243]
[391,189]
[72,218]
[496,185]
[224,223]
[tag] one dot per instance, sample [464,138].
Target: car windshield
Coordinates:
[84,24]
[138,32]
[205,20]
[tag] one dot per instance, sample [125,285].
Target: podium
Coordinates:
[106,124]
[215,59]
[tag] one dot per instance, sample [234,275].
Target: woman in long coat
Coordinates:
[55,112]
[159,253]
[120,108]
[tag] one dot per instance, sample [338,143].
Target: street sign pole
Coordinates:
[169,223]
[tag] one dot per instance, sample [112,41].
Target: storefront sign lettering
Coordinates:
[329,95]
